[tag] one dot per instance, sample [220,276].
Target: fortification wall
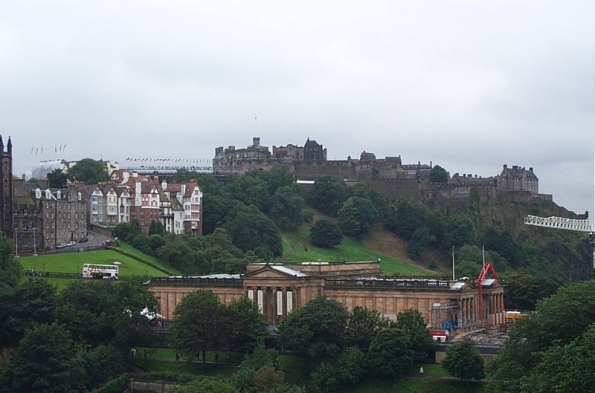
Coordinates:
[395,189]
[336,169]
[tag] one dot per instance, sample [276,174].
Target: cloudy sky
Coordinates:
[467,85]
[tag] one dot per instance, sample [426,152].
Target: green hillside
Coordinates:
[379,245]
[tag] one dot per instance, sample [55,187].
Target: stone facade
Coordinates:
[279,289]
[6,189]
[389,176]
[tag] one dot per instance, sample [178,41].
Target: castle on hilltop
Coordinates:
[388,175]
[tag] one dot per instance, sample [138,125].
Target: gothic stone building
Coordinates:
[279,289]
[6,192]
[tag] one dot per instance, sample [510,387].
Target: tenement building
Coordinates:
[279,289]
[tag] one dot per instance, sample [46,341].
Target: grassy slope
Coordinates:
[73,262]
[378,244]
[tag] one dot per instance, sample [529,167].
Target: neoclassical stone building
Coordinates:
[279,289]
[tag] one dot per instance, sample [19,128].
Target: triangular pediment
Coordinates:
[268,271]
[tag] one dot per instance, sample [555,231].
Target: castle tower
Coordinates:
[6,191]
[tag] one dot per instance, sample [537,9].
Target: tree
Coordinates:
[250,229]
[464,361]
[245,326]
[10,268]
[438,175]
[325,234]
[142,243]
[31,302]
[390,352]
[286,207]
[46,361]
[199,324]
[88,171]
[357,216]
[405,217]
[127,231]
[419,241]
[105,312]
[57,179]
[412,322]
[458,231]
[327,195]
[351,366]
[156,228]
[557,322]
[362,326]
[315,330]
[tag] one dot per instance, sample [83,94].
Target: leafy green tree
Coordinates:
[245,326]
[178,254]
[105,312]
[351,366]
[156,228]
[143,243]
[327,195]
[419,241]
[46,361]
[357,216]
[250,189]
[412,322]
[184,175]
[101,364]
[314,331]
[557,322]
[10,268]
[390,352]
[88,171]
[286,207]
[524,290]
[127,231]
[200,322]
[260,372]
[325,234]
[57,179]
[156,242]
[464,361]
[405,217]
[324,378]
[250,229]
[31,302]
[458,231]
[438,175]
[362,326]
[565,369]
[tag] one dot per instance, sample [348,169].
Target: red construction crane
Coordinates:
[486,268]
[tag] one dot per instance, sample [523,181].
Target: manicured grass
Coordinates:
[297,248]
[73,263]
[172,271]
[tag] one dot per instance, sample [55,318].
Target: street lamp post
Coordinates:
[34,241]
[16,241]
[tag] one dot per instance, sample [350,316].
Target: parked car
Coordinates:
[63,245]
[84,240]
[71,243]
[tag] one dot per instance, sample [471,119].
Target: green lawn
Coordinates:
[73,262]
[297,248]
[172,271]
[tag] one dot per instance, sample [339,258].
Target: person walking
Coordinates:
[421,372]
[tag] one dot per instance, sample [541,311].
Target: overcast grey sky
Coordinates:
[467,85]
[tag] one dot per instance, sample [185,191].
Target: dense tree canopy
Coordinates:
[557,332]
[46,361]
[88,171]
[325,234]
[357,216]
[464,361]
[315,330]
[327,195]
[438,175]
[250,229]
[57,179]
[10,268]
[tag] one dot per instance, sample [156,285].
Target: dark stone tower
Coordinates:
[6,206]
